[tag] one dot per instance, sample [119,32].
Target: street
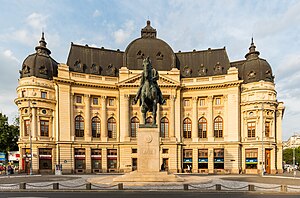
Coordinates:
[144,194]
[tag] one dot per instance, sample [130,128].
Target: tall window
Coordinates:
[164,127]
[251,129]
[96,127]
[218,127]
[202,128]
[134,125]
[149,120]
[267,129]
[112,128]
[79,126]
[26,127]
[187,128]
[44,128]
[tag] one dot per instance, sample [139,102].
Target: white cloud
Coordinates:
[96,13]
[37,21]
[121,35]
[9,54]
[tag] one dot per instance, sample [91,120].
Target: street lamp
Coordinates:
[30,132]
[262,140]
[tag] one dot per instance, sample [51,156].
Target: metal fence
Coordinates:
[90,187]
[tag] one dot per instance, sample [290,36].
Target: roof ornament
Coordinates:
[148,31]
[42,47]
[252,52]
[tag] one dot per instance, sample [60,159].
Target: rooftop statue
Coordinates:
[149,92]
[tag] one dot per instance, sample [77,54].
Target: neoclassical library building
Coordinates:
[220,117]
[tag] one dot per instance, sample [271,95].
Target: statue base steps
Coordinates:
[148,177]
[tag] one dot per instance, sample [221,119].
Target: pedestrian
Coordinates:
[188,168]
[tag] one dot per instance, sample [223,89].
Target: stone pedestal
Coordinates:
[148,149]
[148,167]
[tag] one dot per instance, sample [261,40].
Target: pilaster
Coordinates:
[87,120]
[103,119]
[195,119]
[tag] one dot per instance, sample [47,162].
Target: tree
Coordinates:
[288,155]
[9,134]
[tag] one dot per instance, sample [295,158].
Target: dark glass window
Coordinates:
[26,127]
[202,128]
[79,126]
[112,128]
[96,128]
[187,128]
[218,127]
[267,129]
[164,127]
[134,125]
[44,128]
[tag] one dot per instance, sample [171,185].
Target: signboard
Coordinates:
[13,155]
[2,156]
[187,160]
[203,160]
[219,160]
[251,161]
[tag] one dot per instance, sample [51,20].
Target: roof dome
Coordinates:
[256,69]
[39,64]
[160,53]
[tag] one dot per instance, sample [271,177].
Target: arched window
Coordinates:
[202,128]
[112,128]
[164,127]
[134,125]
[96,127]
[149,120]
[79,126]
[187,128]
[218,127]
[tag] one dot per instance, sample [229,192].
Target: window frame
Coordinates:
[251,129]
[112,128]
[134,124]
[202,127]
[187,128]
[79,126]
[218,127]
[96,127]
[164,127]
[44,128]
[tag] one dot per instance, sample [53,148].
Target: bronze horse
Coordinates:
[149,92]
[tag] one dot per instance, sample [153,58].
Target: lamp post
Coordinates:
[294,157]
[262,140]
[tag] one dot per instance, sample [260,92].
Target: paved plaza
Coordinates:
[270,183]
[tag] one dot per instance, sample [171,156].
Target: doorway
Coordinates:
[166,163]
[268,161]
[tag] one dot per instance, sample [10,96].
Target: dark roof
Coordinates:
[93,60]
[203,63]
[39,64]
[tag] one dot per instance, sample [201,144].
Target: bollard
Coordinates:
[185,187]
[283,188]
[218,186]
[55,186]
[251,187]
[88,186]
[120,186]
[22,185]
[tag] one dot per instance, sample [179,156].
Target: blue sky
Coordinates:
[185,25]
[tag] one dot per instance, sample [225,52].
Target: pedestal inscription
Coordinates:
[148,149]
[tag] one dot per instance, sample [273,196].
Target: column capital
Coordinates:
[87,95]
[225,97]
[126,97]
[173,97]
[195,99]
[210,98]
[103,97]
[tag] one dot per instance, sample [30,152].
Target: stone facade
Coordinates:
[88,123]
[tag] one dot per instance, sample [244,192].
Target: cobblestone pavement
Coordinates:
[228,182]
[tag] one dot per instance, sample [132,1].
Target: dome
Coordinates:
[39,64]
[256,69]
[160,53]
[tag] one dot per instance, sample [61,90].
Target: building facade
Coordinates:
[219,116]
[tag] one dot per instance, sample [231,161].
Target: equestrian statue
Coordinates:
[149,92]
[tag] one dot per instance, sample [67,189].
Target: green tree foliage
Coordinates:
[9,134]
[288,155]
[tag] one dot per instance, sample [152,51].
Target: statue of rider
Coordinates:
[155,77]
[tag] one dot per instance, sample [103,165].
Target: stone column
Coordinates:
[125,118]
[103,119]
[172,117]
[210,120]
[87,118]
[225,117]
[34,123]
[104,160]
[195,119]
[158,117]
[88,167]
[72,117]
